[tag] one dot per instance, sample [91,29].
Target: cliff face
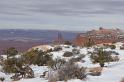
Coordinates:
[100,36]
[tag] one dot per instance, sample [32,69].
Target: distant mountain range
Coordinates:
[33,35]
[24,39]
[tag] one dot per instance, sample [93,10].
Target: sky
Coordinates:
[72,15]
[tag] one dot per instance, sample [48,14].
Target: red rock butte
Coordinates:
[99,36]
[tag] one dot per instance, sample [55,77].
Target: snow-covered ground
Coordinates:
[114,72]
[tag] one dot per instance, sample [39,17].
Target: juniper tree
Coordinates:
[101,56]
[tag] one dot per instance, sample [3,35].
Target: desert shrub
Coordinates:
[42,59]
[76,51]
[13,61]
[115,58]
[68,54]
[52,76]
[101,56]
[121,48]
[57,48]
[1,57]
[2,79]
[1,60]
[77,59]
[66,70]
[50,50]
[68,43]
[71,71]
[114,52]
[112,46]
[56,64]
[37,57]
[11,52]
[81,56]
[73,45]
[11,64]
[30,56]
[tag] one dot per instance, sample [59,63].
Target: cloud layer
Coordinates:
[64,14]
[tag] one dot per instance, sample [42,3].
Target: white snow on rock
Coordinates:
[113,73]
[43,47]
[7,77]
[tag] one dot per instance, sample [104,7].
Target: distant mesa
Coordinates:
[102,35]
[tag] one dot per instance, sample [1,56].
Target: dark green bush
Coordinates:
[68,43]
[2,79]
[58,48]
[77,59]
[76,51]
[112,46]
[56,64]
[68,54]
[11,64]
[101,56]
[37,57]
[11,52]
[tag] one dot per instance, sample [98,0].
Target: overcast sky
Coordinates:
[76,15]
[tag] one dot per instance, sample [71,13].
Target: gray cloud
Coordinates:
[62,7]
[78,7]
[68,13]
